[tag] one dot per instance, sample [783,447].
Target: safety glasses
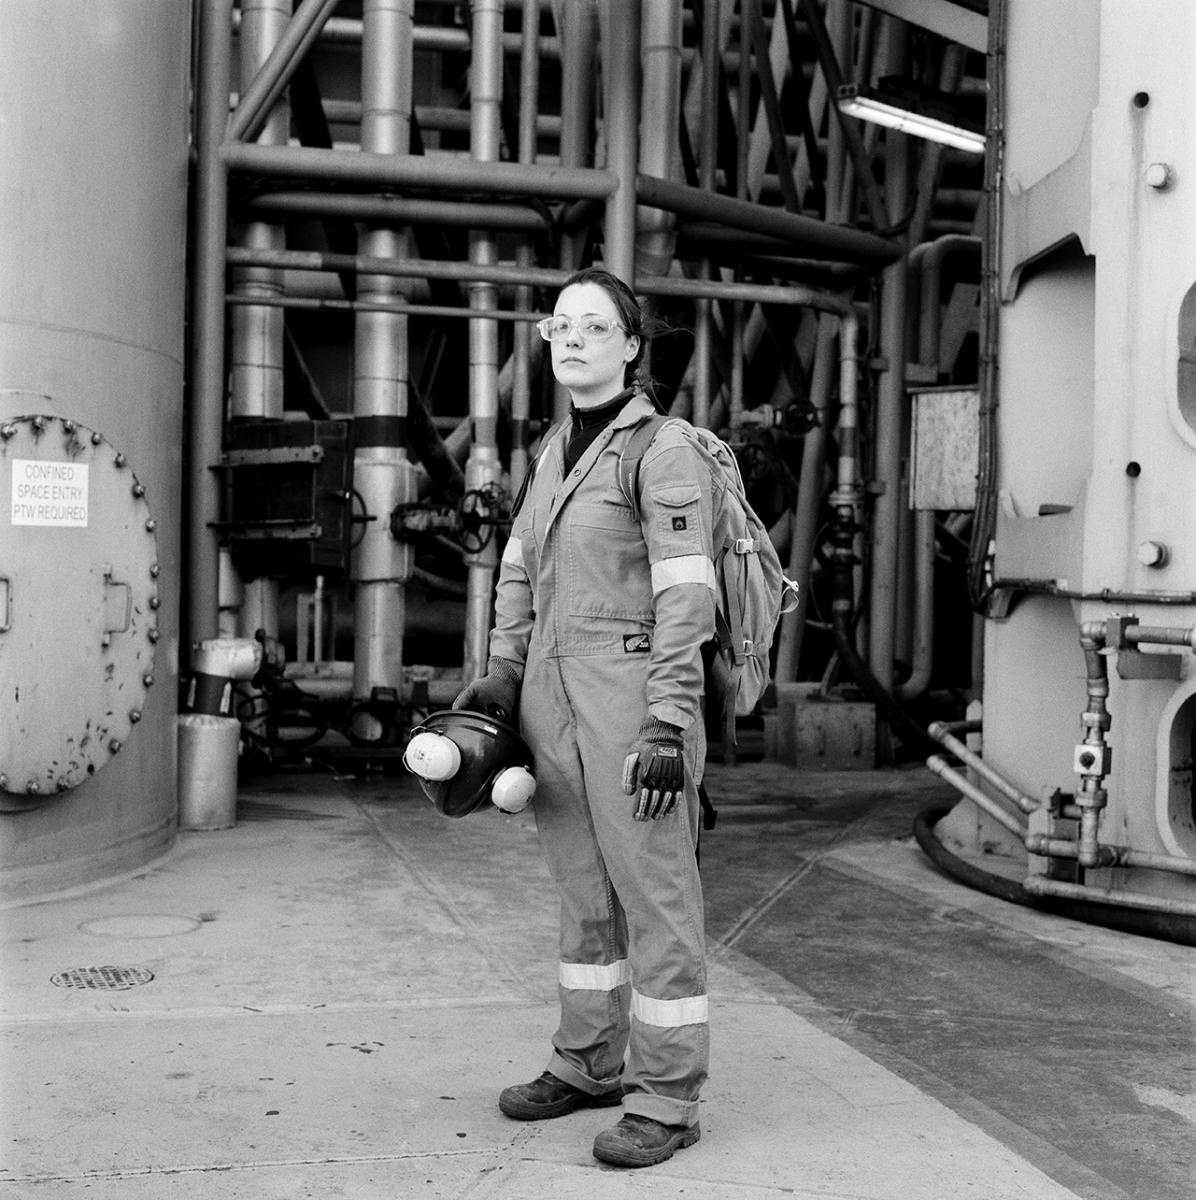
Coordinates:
[590,328]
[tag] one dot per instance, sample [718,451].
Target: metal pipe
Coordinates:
[782,258]
[927,261]
[383,476]
[512,217]
[256,333]
[1093,755]
[294,39]
[256,330]
[1039,885]
[529,100]
[331,304]
[346,31]
[206,351]
[1052,587]
[762,293]
[1111,856]
[807,509]
[981,799]
[1161,635]
[890,408]
[707,171]
[577,24]
[750,293]
[482,467]
[413,268]
[941,732]
[659,150]
[400,169]
[621,113]
[1092,763]
[836,242]
[1040,844]
[432,118]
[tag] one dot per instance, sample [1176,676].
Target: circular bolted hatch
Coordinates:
[78,605]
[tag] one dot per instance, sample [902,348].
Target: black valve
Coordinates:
[409,521]
[480,512]
[470,523]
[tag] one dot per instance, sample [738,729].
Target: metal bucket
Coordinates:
[208,771]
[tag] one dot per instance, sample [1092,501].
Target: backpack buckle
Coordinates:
[745,545]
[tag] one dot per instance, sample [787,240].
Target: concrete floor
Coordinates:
[343,981]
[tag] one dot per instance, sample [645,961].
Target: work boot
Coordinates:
[549,1096]
[642,1142]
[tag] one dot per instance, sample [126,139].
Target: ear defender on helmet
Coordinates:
[513,789]
[432,756]
[463,759]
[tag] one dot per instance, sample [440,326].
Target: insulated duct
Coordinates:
[383,475]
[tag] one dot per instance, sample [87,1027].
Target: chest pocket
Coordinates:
[608,573]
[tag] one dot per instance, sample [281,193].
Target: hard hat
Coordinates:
[465,759]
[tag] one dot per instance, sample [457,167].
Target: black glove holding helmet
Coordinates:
[497,691]
[655,768]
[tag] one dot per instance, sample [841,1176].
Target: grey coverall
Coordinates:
[607,618]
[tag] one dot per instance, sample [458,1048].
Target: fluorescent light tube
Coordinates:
[854,103]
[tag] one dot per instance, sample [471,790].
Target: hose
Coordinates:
[1169,927]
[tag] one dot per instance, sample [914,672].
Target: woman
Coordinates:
[599,626]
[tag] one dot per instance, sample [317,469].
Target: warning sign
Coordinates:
[49,493]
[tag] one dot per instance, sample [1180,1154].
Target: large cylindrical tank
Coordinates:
[94,143]
[1096,454]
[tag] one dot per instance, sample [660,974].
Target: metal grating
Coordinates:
[102,979]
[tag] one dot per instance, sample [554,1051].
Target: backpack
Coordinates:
[752,589]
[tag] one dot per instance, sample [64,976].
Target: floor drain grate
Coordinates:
[102,979]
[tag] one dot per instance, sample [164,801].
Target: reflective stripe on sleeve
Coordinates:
[513,552]
[685,568]
[669,1014]
[595,977]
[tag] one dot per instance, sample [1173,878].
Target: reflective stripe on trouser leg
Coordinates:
[595,995]
[653,867]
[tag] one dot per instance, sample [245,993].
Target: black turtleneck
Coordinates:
[588,423]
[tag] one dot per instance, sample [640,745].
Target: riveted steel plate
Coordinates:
[78,605]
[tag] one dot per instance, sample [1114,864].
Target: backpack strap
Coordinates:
[633,453]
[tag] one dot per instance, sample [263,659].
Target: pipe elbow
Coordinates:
[1092,635]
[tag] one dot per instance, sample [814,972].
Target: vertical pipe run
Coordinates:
[621,113]
[260,91]
[383,476]
[707,166]
[1092,755]
[927,259]
[808,505]
[482,466]
[529,103]
[206,353]
[577,24]
[743,126]
[256,331]
[890,403]
[660,151]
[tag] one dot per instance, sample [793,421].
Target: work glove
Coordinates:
[655,769]
[496,692]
